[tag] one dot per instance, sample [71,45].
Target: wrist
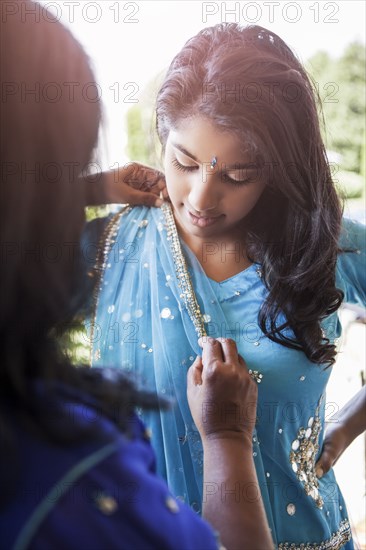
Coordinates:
[215,439]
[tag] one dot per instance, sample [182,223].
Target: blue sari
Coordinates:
[142,324]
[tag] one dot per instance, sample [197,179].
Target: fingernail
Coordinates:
[204,339]
[319,471]
[158,203]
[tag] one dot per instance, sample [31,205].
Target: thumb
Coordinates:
[195,372]
[325,462]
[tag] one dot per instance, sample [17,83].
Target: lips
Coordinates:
[202,221]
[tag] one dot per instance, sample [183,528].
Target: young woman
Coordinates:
[77,469]
[252,247]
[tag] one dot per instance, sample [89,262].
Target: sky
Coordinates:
[130,43]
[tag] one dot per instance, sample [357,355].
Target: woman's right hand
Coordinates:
[221,394]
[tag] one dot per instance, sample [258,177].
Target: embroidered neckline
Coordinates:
[187,293]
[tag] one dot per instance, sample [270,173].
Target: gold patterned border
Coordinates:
[336,541]
[104,247]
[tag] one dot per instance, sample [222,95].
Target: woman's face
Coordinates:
[210,201]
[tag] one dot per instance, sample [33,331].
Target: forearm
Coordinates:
[97,189]
[232,500]
[352,417]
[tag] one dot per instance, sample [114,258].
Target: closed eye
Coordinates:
[228,179]
[183,167]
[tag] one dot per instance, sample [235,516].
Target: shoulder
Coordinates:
[353,235]
[121,503]
[351,263]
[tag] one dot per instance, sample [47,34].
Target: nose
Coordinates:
[204,195]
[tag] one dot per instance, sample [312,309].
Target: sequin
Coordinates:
[146,265]
[147,434]
[138,313]
[280,430]
[150,350]
[126,317]
[291,509]
[257,343]
[206,318]
[143,223]
[110,309]
[106,504]
[302,378]
[143,346]
[237,293]
[172,505]
[165,313]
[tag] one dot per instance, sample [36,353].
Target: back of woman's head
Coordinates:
[49,124]
[247,81]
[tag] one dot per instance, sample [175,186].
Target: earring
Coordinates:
[213,162]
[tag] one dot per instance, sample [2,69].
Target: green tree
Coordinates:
[143,144]
[341,84]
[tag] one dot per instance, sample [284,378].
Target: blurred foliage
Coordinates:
[143,144]
[349,184]
[341,85]
[75,343]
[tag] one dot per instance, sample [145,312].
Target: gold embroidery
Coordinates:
[336,541]
[104,247]
[303,454]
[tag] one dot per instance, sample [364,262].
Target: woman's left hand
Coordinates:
[343,427]
[335,443]
[134,183]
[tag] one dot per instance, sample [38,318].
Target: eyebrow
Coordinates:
[230,167]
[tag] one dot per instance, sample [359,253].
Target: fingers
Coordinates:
[226,350]
[144,198]
[325,462]
[211,351]
[194,374]
[229,350]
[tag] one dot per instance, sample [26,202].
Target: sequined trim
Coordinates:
[336,541]
[303,453]
[104,248]
[184,280]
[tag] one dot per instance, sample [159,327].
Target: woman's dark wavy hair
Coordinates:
[45,145]
[247,81]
